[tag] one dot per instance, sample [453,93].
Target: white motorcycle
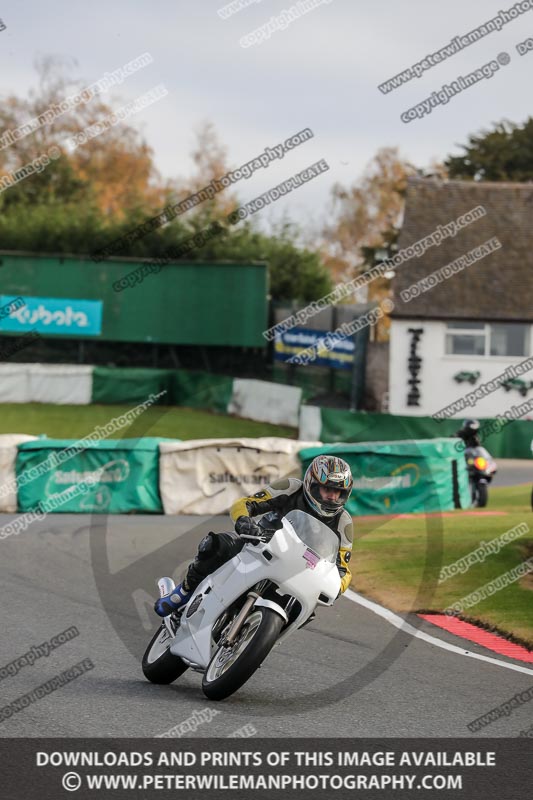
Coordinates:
[249,604]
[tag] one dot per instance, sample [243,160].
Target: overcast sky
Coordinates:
[321,72]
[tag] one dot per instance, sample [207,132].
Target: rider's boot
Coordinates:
[179,598]
[196,572]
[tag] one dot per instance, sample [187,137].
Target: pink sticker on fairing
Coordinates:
[311,559]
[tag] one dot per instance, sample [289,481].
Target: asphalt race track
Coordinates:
[349,673]
[512,471]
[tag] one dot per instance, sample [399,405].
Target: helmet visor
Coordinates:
[326,503]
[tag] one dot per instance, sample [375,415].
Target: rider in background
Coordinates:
[323,493]
[469,433]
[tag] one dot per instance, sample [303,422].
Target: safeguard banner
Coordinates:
[401,477]
[205,476]
[8,455]
[107,477]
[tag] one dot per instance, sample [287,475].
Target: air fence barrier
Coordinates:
[116,476]
[205,476]
[402,477]
[8,456]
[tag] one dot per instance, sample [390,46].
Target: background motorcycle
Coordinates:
[252,602]
[481,469]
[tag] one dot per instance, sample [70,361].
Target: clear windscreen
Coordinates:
[317,536]
[478,451]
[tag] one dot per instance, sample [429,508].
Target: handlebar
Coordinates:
[264,538]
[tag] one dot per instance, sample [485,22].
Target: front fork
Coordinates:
[231,636]
[238,622]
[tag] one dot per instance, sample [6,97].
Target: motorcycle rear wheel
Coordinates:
[230,668]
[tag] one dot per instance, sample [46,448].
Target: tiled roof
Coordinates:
[499,286]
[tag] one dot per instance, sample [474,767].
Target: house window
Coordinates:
[484,339]
[466,339]
[508,340]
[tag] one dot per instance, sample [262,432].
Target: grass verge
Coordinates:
[397,562]
[73,422]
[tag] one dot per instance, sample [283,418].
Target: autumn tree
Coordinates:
[114,170]
[366,220]
[363,211]
[210,158]
[95,192]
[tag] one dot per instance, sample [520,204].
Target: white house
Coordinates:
[463,300]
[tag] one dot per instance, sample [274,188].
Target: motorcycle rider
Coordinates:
[323,493]
[469,433]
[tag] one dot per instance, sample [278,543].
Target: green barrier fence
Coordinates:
[126,474]
[191,388]
[196,389]
[511,441]
[401,477]
[129,384]
[313,380]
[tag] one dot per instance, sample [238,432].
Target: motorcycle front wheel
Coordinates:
[231,667]
[158,664]
[482,495]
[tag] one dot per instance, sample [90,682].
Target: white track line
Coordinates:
[398,622]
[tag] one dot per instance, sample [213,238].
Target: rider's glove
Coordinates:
[247,527]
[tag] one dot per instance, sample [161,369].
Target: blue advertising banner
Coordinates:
[52,315]
[290,343]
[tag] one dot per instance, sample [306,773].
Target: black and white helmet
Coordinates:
[331,472]
[470,427]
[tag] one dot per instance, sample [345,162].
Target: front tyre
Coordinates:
[158,664]
[482,495]
[231,667]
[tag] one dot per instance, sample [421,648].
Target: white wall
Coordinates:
[437,387]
